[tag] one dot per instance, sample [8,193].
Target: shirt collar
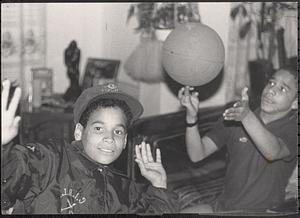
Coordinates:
[292,115]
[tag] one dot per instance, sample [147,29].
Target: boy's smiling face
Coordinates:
[280,94]
[104,136]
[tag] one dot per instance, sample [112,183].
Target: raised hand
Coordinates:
[240,109]
[190,101]
[9,122]
[150,169]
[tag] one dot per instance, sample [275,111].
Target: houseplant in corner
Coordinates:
[270,37]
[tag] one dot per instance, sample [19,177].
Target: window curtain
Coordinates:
[23,41]
[241,51]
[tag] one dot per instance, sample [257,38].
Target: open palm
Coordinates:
[240,109]
[9,122]
[150,169]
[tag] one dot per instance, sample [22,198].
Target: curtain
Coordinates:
[23,41]
[241,51]
[238,55]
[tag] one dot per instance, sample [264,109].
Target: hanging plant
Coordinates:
[144,64]
[151,16]
[265,20]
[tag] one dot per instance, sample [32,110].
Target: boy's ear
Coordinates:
[78,131]
[125,142]
[295,104]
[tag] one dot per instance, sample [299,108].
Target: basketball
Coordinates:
[193,54]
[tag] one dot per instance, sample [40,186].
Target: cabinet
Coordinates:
[40,126]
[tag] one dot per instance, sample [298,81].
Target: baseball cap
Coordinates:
[109,90]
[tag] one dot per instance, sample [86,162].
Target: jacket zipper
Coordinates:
[103,173]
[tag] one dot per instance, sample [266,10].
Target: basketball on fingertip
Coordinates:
[193,54]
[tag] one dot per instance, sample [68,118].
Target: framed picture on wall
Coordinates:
[100,71]
[41,85]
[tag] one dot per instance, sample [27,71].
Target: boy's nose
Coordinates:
[272,91]
[108,138]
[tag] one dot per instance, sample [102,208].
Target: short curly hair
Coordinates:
[291,69]
[106,103]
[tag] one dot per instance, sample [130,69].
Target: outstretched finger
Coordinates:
[138,152]
[144,153]
[15,100]
[229,117]
[195,94]
[229,110]
[180,93]
[229,113]
[4,94]
[186,91]
[149,153]
[141,166]
[232,113]
[245,96]
[158,155]
[16,121]
[237,104]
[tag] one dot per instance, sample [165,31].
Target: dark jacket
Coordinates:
[57,178]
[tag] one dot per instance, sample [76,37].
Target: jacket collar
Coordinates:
[89,163]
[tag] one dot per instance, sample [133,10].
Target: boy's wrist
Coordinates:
[247,116]
[195,123]
[161,184]
[191,119]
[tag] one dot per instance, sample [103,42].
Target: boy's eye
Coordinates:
[271,83]
[119,132]
[98,129]
[283,89]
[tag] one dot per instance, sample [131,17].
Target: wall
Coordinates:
[157,98]
[216,15]
[100,30]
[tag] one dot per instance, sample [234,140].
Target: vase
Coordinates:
[162,34]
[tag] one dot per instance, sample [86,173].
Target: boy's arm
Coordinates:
[26,171]
[147,199]
[198,148]
[143,198]
[270,146]
[9,122]
[154,198]
[23,168]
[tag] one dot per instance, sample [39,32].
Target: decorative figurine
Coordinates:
[72,58]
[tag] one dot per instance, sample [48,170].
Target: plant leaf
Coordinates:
[244,11]
[130,13]
[268,27]
[259,30]
[234,11]
[245,29]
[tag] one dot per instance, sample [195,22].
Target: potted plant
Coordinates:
[159,17]
[155,22]
[269,36]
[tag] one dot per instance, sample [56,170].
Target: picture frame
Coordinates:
[42,86]
[100,71]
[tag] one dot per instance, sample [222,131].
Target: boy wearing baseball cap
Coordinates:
[77,177]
